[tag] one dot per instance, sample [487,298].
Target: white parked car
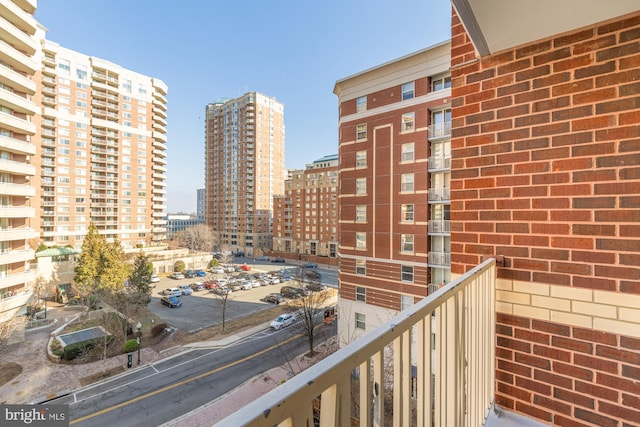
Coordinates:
[186,290]
[283,321]
[154,278]
[244,285]
[173,291]
[217,270]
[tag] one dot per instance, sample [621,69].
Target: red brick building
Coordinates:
[546,177]
[394,150]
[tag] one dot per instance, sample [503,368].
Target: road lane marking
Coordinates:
[181,383]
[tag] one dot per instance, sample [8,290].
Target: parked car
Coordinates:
[245,267]
[172,291]
[197,286]
[190,274]
[283,321]
[309,265]
[217,270]
[274,298]
[229,269]
[171,301]
[291,292]
[274,281]
[177,275]
[312,274]
[200,273]
[186,290]
[262,258]
[154,279]
[245,286]
[222,290]
[211,284]
[277,259]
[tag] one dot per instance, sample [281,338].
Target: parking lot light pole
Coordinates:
[139,338]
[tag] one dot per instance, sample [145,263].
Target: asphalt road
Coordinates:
[160,392]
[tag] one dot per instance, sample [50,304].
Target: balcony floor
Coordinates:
[510,419]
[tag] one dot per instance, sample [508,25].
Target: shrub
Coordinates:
[214,262]
[72,351]
[179,266]
[130,345]
[158,329]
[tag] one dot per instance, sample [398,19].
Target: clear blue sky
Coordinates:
[205,49]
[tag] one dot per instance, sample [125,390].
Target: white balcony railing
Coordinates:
[454,372]
[439,226]
[439,130]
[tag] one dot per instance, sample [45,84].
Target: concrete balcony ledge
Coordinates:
[502,418]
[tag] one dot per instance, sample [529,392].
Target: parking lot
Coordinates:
[204,308]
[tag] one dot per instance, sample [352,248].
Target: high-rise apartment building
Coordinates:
[305,218]
[244,169]
[18,52]
[395,159]
[101,140]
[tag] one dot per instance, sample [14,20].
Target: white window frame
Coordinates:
[361,294]
[361,186]
[361,132]
[361,267]
[406,273]
[361,104]
[361,159]
[408,153]
[408,122]
[361,321]
[361,213]
[408,90]
[407,212]
[407,183]
[407,243]
[361,240]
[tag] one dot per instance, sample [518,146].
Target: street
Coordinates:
[162,391]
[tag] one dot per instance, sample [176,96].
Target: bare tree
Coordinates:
[312,303]
[197,238]
[222,297]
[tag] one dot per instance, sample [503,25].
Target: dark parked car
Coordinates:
[277,259]
[311,274]
[291,292]
[316,287]
[274,298]
[309,265]
[190,274]
[171,301]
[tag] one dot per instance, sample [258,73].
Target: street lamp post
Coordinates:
[139,338]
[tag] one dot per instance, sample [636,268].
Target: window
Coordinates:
[406,301]
[360,321]
[408,121]
[361,267]
[440,83]
[361,213]
[406,183]
[406,272]
[407,91]
[406,242]
[361,132]
[361,294]
[407,152]
[361,240]
[407,213]
[361,159]
[361,185]
[361,104]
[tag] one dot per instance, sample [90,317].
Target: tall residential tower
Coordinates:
[102,150]
[244,168]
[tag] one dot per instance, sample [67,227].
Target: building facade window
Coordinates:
[361,240]
[361,267]
[406,273]
[407,213]
[361,213]
[407,152]
[408,121]
[361,294]
[361,103]
[361,159]
[440,83]
[406,242]
[406,183]
[361,186]
[360,321]
[407,90]
[361,132]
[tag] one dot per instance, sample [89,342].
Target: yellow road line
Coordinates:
[178,384]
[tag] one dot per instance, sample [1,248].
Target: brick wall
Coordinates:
[568,376]
[546,172]
[546,158]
